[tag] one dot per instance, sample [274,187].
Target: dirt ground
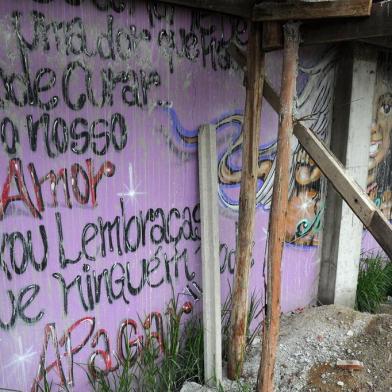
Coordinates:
[311,343]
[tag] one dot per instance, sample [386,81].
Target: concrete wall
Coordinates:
[101,102]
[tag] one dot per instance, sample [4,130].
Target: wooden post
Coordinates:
[279,209]
[250,149]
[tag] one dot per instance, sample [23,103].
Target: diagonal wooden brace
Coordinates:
[360,203]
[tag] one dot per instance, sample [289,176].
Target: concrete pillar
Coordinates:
[350,142]
[209,214]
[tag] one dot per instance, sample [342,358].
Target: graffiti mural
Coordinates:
[379,183]
[100,104]
[314,106]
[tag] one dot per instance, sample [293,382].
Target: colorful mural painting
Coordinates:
[379,181]
[101,101]
[380,162]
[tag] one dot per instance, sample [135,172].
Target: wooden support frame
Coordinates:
[379,24]
[279,205]
[268,92]
[351,192]
[209,217]
[301,10]
[246,219]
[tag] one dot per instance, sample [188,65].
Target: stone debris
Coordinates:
[319,349]
[350,364]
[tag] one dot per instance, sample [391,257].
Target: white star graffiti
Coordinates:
[131,190]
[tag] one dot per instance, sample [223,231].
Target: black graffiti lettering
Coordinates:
[105,43]
[223,249]
[68,73]
[97,136]
[11,144]
[159,228]
[159,11]
[109,227]
[196,219]
[153,265]
[90,297]
[176,213]
[61,143]
[44,260]
[134,91]
[3,263]
[22,266]
[132,289]
[39,87]
[231,261]
[66,288]
[166,42]
[7,325]
[189,45]
[63,260]
[23,304]
[118,121]
[79,135]
[119,281]
[22,254]
[83,134]
[32,128]
[127,41]
[75,37]
[88,236]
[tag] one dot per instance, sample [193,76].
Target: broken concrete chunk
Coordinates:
[349,364]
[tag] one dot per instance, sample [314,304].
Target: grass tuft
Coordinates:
[374,282]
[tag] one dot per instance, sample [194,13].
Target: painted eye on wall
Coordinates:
[386,108]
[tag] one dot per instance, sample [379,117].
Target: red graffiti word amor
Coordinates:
[83,182]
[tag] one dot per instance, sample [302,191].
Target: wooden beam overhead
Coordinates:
[378,24]
[272,35]
[241,8]
[300,10]
[381,42]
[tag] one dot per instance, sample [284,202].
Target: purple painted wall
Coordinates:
[100,105]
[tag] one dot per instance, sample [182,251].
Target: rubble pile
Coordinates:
[327,348]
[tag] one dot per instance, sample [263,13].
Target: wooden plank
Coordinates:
[238,55]
[247,207]
[300,10]
[272,36]
[241,8]
[381,42]
[379,24]
[269,93]
[351,192]
[209,217]
[279,205]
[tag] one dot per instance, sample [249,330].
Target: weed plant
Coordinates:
[374,282]
[166,363]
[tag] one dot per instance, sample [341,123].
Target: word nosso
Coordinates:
[58,136]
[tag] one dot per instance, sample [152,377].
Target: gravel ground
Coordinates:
[312,341]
